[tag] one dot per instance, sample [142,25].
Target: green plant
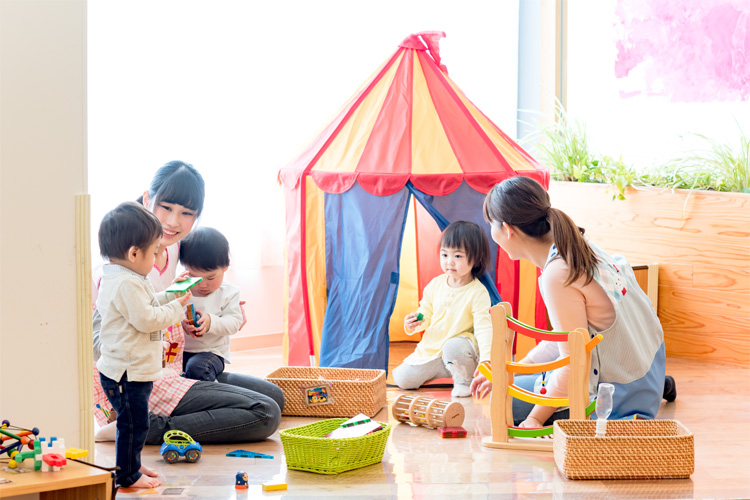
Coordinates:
[717,167]
[564,147]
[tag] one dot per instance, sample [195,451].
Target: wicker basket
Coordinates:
[632,449]
[306,448]
[348,391]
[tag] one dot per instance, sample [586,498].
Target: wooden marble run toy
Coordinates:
[429,412]
[504,329]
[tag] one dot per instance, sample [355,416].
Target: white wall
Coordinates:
[43,165]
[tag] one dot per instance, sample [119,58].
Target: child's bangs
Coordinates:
[181,189]
[453,238]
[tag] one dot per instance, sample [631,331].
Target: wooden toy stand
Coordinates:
[430,412]
[504,329]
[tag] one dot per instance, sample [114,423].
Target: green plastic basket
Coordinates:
[306,448]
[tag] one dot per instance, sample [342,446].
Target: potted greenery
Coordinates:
[690,216]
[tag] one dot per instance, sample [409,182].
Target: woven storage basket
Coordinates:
[632,449]
[351,391]
[306,448]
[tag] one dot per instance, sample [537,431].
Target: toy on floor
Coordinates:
[240,480]
[179,444]
[274,486]
[247,454]
[505,330]
[429,412]
[452,432]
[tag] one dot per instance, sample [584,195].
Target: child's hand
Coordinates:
[411,322]
[204,323]
[182,277]
[185,298]
[244,318]
[188,328]
[480,387]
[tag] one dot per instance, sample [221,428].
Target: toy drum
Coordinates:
[429,412]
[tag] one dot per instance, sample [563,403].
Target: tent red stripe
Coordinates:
[472,150]
[388,148]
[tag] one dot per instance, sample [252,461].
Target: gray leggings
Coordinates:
[459,361]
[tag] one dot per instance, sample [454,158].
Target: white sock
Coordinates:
[106,433]
[460,391]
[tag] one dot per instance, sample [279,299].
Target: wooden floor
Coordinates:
[713,402]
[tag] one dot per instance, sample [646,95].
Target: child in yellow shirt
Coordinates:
[454,315]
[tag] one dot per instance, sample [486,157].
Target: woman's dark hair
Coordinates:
[128,225]
[523,202]
[204,248]
[178,182]
[470,238]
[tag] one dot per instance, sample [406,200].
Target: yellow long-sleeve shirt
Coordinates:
[450,312]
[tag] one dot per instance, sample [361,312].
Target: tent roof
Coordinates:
[410,122]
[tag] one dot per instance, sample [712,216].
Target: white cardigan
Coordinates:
[132,319]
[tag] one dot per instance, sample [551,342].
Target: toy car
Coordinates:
[179,444]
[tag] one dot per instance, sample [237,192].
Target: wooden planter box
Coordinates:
[702,245]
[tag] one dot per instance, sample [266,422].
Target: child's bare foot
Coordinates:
[146,482]
[148,471]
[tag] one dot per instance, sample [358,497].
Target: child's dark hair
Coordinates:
[204,248]
[523,202]
[470,238]
[128,225]
[178,182]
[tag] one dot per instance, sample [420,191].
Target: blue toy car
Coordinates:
[179,444]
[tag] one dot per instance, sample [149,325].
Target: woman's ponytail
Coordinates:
[524,203]
[572,246]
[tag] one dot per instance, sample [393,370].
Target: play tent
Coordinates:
[358,251]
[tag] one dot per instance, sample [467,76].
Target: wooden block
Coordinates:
[274,486]
[452,432]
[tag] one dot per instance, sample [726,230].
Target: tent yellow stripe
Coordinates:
[514,158]
[345,150]
[431,151]
[407,299]
[316,261]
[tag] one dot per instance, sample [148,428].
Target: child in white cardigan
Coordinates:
[205,253]
[454,314]
[131,342]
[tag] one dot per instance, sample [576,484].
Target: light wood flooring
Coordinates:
[713,402]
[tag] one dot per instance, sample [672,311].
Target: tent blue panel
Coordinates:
[363,245]
[464,204]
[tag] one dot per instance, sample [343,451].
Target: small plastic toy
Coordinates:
[247,454]
[240,480]
[274,486]
[181,287]
[179,444]
[452,432]
[419,410]
[191,315]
